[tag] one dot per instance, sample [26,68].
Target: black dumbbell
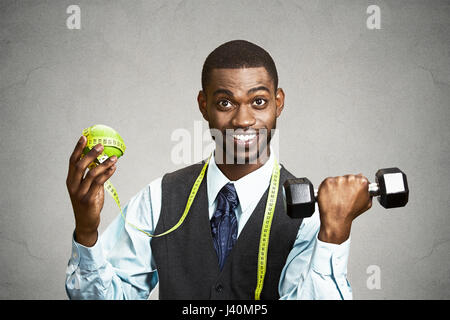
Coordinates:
[391,188]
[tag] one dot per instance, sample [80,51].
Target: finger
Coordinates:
[364,182]
[83,163]
[98,182]
[351,177]
[74,158]
[95,173]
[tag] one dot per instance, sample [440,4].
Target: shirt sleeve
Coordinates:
[120,265]
[315,269]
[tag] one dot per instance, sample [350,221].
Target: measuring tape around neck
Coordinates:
[265,229]
[191,198]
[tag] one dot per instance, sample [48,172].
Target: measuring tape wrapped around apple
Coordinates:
[114,146]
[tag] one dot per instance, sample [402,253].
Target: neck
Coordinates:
[234,171]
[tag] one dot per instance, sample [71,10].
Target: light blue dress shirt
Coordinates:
[121,266]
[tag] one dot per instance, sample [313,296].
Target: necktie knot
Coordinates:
[228,194]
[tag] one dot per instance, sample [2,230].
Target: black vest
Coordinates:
[186,260]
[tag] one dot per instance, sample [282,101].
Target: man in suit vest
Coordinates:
[215,252]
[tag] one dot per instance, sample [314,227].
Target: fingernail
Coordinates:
[113,158]
[98,148]
[81,139]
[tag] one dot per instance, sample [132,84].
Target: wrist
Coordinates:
[334,234]
[87,239]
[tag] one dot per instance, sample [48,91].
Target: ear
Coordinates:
[279,101]
[201,99]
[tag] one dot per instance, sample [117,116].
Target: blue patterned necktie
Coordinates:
[224,223]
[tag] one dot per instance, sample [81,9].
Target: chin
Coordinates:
[247,156]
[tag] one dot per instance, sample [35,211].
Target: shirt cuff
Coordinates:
[330,258]
[90,258]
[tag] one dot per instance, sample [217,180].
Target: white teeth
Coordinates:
[244,137]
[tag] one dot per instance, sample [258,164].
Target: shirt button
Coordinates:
[336,261]
[219,288]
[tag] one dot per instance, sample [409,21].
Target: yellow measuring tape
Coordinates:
[114,145]
[265,230]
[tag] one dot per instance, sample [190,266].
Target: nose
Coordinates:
[244,117]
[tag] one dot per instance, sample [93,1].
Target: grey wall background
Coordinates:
[357,100]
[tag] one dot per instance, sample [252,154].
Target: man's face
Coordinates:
[241,107]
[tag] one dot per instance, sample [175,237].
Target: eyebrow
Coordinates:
[228,92]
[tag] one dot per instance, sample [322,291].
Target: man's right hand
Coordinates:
[87,192]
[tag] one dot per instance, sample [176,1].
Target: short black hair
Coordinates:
[237,54]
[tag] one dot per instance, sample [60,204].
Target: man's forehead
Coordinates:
[240,77]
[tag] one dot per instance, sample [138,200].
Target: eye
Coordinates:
[260,102]
[224,104]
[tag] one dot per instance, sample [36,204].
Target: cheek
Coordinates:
[217,119]
[267,118]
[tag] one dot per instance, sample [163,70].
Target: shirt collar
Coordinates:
[248,188]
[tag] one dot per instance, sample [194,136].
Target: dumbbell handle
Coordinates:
[374,190]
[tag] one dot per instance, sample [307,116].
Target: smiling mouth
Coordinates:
[245,138]
[243,146]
